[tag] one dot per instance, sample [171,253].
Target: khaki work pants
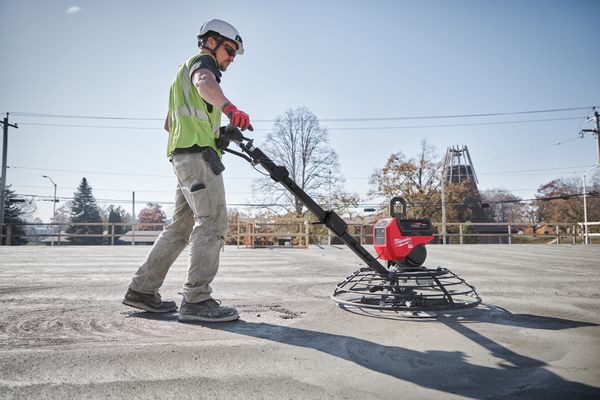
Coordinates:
[200,219]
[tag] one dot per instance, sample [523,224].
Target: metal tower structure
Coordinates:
[459,169]
[458,166]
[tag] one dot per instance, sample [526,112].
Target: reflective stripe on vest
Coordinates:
[186,109]
[200,114]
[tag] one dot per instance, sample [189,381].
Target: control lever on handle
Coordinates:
[234,134]
[228,134]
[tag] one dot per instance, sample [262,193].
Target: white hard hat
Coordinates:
[224,29]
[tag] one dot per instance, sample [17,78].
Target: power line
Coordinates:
[44,115]
[113,190]
[552,110]
[328,128]
[531,150]
[92,172]
[128,201]
[96,189]
[526,171]
[565,196]
[453,125]
[91,126]
[253,178]
[111,173]
[458,115]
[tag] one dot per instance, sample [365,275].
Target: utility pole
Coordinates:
[133,218]
[597,119]
[5,126]
[595,132]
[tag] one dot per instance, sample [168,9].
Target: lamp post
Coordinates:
[443,213]
[585,227]
[330,206]
[54,202]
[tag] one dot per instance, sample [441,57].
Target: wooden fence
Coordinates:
[302,233]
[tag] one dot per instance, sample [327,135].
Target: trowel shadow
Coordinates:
[483,313]
[446,371]
[501,316]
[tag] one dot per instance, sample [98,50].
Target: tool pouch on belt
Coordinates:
[214,162]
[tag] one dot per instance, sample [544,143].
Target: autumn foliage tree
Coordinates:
[560,201]
[415,179]
[151,214]
[593,198]
[463,202]
[418,180]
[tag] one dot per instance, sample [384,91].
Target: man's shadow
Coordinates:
[517,376]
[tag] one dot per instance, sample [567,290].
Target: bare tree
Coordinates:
[504,206]
[300,144]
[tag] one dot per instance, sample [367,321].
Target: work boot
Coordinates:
[209,310]
[148,302]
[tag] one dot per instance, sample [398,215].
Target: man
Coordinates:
[200,217]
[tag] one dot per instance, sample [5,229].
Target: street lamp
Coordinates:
[585,226]
[54,202]
[443,209]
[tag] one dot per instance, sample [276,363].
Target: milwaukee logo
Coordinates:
[402,242]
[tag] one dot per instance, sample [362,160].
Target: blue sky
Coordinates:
[341,59]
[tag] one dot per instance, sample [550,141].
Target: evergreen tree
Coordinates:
[12,215]
[117,215]
[85,210]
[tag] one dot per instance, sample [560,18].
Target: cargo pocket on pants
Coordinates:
[200,198]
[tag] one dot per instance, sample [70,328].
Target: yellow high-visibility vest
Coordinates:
[190,122]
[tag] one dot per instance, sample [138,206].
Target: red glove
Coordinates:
[238,118]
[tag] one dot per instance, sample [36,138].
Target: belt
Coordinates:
[194,149]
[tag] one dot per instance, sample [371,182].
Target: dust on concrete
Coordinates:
[64,333]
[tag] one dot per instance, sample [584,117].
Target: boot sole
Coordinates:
[146,307]
[197,318]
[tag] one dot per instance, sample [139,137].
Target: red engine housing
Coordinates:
[400,239]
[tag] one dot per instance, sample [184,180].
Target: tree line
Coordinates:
[298,142]
[79,214]
[419,179]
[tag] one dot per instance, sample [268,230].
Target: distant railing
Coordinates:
[299,233]
[593,232]
[508,233]
[488,233]
[57,233]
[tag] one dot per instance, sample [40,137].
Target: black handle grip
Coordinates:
[393,203]
[234,133]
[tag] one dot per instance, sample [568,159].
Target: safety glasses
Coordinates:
[230,51]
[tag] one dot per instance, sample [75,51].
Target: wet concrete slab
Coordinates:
[65,334]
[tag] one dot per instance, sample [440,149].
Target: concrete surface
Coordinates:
[64,333]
